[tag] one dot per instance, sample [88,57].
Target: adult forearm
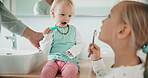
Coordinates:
[28,33]
[10,22]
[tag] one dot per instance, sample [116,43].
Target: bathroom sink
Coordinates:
[20,61]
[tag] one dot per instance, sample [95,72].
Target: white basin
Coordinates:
[20,61]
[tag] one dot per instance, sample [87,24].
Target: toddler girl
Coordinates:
[63,44]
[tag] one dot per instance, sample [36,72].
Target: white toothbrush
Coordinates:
[94,34]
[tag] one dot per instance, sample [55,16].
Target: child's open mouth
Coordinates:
[63,23]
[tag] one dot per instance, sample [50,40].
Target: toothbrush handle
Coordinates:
[52,29]
[91,45]
[89,54]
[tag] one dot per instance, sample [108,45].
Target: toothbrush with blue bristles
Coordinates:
[52,29]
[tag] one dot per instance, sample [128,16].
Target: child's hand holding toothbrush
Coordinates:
[47,30]
[95,52]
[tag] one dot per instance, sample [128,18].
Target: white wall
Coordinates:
[83,7]
[85,25]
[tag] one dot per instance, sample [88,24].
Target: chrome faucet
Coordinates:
[13,39]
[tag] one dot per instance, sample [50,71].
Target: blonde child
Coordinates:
[126,31]
[63,44]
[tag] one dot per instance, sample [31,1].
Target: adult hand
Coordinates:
[33,37]
[95,55]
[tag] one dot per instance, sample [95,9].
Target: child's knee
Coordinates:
[70,71]
[70,74]
[49,70]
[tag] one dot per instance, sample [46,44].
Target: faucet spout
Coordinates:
[13,39]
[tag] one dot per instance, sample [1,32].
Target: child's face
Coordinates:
[110,26]
[64,15]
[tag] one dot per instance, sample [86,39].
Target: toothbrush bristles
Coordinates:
[59,23]
[95,33]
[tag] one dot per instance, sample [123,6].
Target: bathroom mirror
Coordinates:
[83,7]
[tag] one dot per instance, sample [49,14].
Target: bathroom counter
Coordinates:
[85,72]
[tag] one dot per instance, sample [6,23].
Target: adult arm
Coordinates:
[10,22]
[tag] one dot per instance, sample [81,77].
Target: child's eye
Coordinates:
[63,14]
[69,15]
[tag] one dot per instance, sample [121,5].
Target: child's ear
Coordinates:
[52,13]
[124,32]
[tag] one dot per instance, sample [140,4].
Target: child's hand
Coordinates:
[95,55]
[69,54]
[47,30]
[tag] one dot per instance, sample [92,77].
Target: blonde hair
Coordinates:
[135,14]
[60,3]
